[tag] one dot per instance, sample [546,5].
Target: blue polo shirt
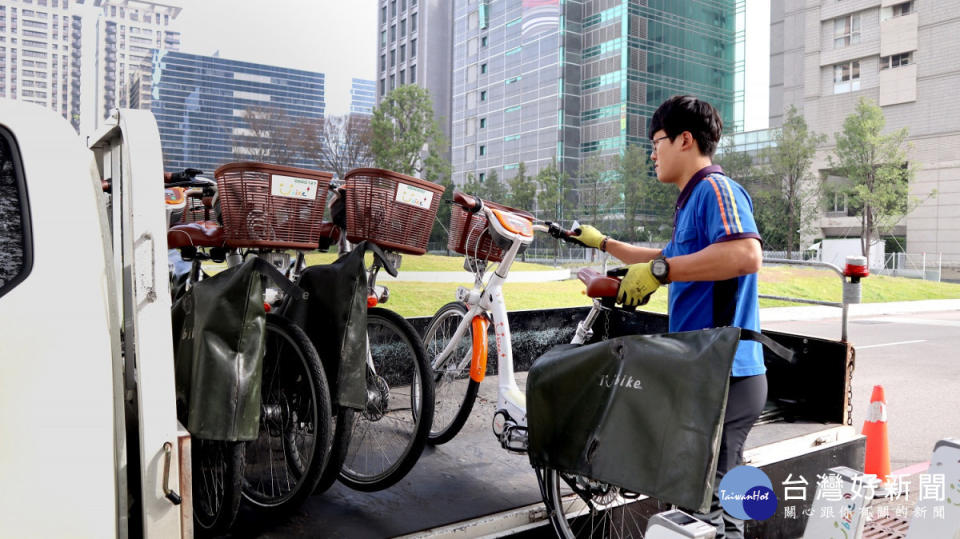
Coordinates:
[712,208]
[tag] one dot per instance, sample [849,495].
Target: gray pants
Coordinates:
[745,401]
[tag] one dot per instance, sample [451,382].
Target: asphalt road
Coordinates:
[916,358]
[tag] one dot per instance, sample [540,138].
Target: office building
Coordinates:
[826,55]
[212,110]
[413,47]
[72,56]
[363,96]
[544,81]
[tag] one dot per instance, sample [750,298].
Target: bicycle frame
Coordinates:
[488,298]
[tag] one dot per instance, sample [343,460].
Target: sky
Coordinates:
[339,38]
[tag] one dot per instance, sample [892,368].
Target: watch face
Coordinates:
[659,268]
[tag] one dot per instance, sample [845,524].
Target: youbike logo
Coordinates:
[747,493]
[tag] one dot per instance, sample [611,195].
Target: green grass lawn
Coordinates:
[423,299]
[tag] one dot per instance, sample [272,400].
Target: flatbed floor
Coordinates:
[467,478]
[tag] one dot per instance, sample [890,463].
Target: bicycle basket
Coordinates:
[271,206]
[390,209]
[469,235]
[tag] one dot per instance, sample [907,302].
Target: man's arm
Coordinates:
[631,254]
[717,261]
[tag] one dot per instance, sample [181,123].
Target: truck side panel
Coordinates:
[57,457]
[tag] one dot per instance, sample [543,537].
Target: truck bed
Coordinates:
[458,484]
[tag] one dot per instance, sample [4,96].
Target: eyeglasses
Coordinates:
[656,142]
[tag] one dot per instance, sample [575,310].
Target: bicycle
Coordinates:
[377,446]
[488,232]
[279,469]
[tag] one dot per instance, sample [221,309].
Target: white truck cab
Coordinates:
[89,441]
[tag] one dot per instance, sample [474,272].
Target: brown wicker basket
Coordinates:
[390,209]
[469,236]
[271,206]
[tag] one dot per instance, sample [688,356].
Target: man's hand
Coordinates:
[589,237]
[637,286]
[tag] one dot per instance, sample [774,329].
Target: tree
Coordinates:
[273,137]
[737,165]
[597,188]
[346,144]
[789,167]
[633,169]
[523,189]
[552,196]
[878,169]
[492,189]
[405,137]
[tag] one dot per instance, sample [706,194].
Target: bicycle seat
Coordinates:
[199,234]
[598,284]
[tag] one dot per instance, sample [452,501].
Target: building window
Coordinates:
[483,123]
[483,95]
[846,30]
[383,38]
[483,68]
[383,86]
[393,33]
[483,41]
[483,175]
[393,81]
[846,77]
[403,53]
[413,74]
[383,62]
[413,48]
[403,5]
[393,8]
[483,150]
[393,58]
[905,8]
[413,23]
[403,28]
[403,76]
[896,60]
[383,15]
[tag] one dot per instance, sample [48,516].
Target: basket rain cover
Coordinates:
[643,412]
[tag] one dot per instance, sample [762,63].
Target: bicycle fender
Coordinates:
[478,364]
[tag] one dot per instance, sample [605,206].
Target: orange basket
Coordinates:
[469,235]
[271,206]
[392,210]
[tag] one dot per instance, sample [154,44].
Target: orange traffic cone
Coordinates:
[877,461]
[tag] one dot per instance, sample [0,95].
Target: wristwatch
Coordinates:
[660,269]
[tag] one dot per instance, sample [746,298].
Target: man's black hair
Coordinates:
[687,113]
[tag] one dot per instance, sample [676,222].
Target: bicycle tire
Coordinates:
[592,510]
[216,478]
[284,463]
[451,411]
[338,448]
[401,371]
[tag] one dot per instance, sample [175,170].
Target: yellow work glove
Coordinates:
[589,237]
[637,285]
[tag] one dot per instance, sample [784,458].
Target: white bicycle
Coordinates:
[456,344]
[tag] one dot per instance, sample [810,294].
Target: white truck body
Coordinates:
[86,352]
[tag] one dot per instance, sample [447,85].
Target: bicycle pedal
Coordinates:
[515,439]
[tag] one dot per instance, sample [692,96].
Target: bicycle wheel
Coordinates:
[388,436]
[581,507]
[342,431]
[454,391]
[284,463]
[217,473]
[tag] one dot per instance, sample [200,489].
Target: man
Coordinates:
[711,262]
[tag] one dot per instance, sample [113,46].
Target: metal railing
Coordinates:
[851,289]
